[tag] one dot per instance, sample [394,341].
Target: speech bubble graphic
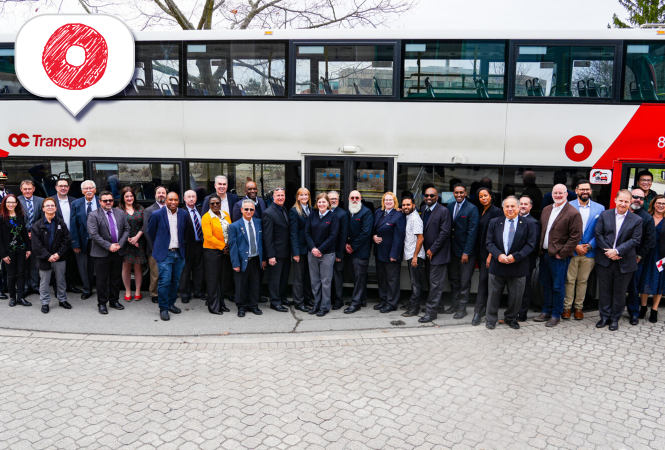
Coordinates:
[74,57]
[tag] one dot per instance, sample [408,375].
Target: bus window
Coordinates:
[45,173]
[644,71]
[157,71]
[143,178]
[564,71]
[222,69]
[471,70]
[9,84]
[344,70]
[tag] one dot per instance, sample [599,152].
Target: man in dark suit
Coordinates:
[191,279]
[526,204]
[463,246]
[32,211]
[277,249]
[63,210]
[338,266]
[618,234]
[437,226]
[167,230]
[358,247]
[511,240]
[245,237]
[81,244]
[251,192]
[160,202]
[109,231]
[229,199]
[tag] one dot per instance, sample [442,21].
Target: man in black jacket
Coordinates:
[63,205]
[358,247]
[277,249]
[191,279]
[338,267]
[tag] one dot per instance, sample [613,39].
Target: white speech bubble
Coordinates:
[74,57]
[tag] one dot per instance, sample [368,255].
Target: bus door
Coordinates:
[629,176]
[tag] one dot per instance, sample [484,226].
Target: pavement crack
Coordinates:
[293,313]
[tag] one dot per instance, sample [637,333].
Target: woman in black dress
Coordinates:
[135,246]
[14,247]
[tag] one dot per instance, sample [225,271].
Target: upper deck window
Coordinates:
[582,72]
[157,70]
[222,69]
[344,70]
[9,84]
[471,70]
[644,71]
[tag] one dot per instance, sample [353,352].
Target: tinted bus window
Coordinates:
[143,178]
[470,70]
[45,173]
[220,69]
[564,71]
[157,71]
[644,71]
[344,70]
[9,84]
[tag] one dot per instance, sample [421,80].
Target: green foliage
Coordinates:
[640,12]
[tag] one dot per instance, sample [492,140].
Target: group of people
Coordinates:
[225,249]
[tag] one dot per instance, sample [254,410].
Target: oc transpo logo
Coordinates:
[23,140]
[74,58]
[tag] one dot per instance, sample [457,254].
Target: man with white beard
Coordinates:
[358,247]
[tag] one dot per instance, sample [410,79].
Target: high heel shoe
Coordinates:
[128,299]
[653,316]
[138,297]
[643,312]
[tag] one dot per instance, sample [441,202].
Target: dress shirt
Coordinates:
[255,238]
[584,212]
[173,228]
[321,216]
[115,222]
[414,227]
[305,208]
[506,232]
[618,222]
[555,213]
[93,204]
[457,208]
[386,212]
[198,216]
[66,213]
[225,204]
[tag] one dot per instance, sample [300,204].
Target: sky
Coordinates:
[430,14]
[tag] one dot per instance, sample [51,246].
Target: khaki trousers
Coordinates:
[154,276]
[579,269]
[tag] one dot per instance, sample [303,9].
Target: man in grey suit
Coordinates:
[160,202]
[32,210]
[109,231]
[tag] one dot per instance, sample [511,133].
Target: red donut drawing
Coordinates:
[584,154]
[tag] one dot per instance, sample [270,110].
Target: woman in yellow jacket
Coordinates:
[215,224]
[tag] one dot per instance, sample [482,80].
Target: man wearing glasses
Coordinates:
[645,181]
[358,247]
[63,206]
[81,244]
[582,262]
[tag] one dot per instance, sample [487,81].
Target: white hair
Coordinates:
[221,177]
[246,200]
[508,198]
[88,181]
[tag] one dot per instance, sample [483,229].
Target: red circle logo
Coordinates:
[69,76]
[18,139]
[586,150]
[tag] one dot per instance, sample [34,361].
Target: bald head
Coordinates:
[559,194]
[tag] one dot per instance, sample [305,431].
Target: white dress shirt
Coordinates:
[584,212]
[225,204]
[65,210]
[618,222]
[173,228]
[555,213]
[321,216]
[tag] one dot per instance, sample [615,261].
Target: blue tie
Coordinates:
[31,213]
[197,225]
[426,216]
[511,235]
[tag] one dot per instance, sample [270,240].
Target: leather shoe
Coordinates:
[203,297]
[634,320]
[184,300]
[288,302]
[321,313]
[578,314]
[312,311]
[460,315]
[224,309]
[45,309]
[542,317]
[219,313]
[363,303]
[388,309]
[102,309]
[257,311]
[602,323]
[241,313]
[521,318]
[3,296]
[426,318]
[154,299]
[164,315]
[476,320]
[380,306]
[410,312]
[351,309]
[335,307]
[302,308]
[566,314]
[614,325]
[23,302]
[74,290]
[263,300]
[451,310]
[490,325]
[116,305]
[12,302]
[86,295]
[174,309]
[65,305]
[554,321]
[279,308]
[643,312]
[514,325]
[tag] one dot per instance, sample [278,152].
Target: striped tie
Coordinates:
[31,213]
[511,235]
[197,225]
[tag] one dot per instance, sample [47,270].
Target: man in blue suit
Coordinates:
[246,240]
[583,260]
[463,246]
[358,247]
[167,233]
[81,243]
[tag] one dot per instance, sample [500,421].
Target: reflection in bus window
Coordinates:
[644,71]
[344,69]
[9,83]
[44,173]
[564,71]
[454,69]
[157,70]
[143,178]
[239,69]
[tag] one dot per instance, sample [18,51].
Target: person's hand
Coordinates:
[263,265]
[7,260]
[272,261]
[392,260]
[131,240]
[465,259]
[316,252]
[54,257]
[114,248]
[581,249]
[511,259]
[296,258]
[489,258]
[27,255]
[558,257]
[611,253]
[430,254]
[503,259]
[77,250]
[349,249]
[414,261]
[237,269]
[30,234]
[377,239]
[338,259]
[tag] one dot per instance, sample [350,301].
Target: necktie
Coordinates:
[456,210]
[88,210]
[31,213]
[286,216]
[385,213]
[114,235]
[197,225]
[511,235]
[426,216]
[252,240]
[306,212]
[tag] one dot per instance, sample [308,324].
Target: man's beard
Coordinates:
[354,208]
[635,206]
[161,201]
[524,213]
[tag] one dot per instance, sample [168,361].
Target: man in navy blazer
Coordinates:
[32,212]
[81,243]
[229,199]
[251,193]
[437,226]
[511,240]
[167,233]
[246,240]
[463,245]
[358,247]
[338,267]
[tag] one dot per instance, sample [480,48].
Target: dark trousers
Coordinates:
[460,280]
[613,286]
[3,277]
[359,281]
[214,275]
[483,289]
[338,284]
[553,273]
[109,277]
[526,297]
[191,279]
[70,268]
[387,274]
[633,302]
[436,275]
[31,275]
[86,266]
[16,274]
[515,291]
[228,282]
[416,275]
[278,279]
[302,284]
[247,285]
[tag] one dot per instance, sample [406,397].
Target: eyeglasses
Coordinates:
[645,180]
[660,204]
[106,201]
[354,198]
[11,202]
[63,185]
[430,195]
[248,209]
[637,197]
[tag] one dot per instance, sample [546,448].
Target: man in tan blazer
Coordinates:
[561,231]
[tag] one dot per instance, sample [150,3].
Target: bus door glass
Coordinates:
[648,177]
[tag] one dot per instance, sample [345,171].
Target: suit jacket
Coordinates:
[343,219]
[464,229]
[392,229]
[37,203]
[40,237]
[589,233]
[648,235]
[436,233]
[100,233]
[359,234]
[190,233]
[79,223]
[239,243]
[230,197]
[58,210]
[160,233]
[627,242]
[524,242]
[258,212]
[297,224]
[483,225]
[147,213]
[535,254]
[276,233]
[565,233]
